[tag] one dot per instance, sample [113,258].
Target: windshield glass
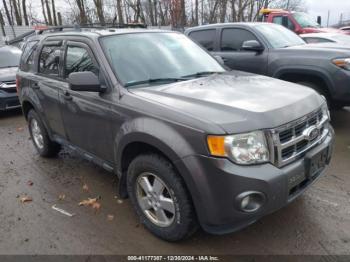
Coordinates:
[341,38]
[279,36]
[144,56]
[9,57]
[304,20]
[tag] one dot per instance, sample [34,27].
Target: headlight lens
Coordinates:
[342,63]
[325,111]
[245,149]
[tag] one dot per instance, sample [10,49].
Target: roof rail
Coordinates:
[50,29]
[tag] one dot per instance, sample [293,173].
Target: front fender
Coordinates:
[168,139]
[307,71]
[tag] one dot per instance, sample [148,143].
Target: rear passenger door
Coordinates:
[86,115]
[235,57]
[46,83]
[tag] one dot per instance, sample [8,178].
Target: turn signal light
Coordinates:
[216,145]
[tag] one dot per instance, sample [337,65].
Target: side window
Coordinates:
[27,60]
[78,59]
[49,60]
[205,38]
[232,39]
[279,20]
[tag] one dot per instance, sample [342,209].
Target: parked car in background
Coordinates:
[298,22]
[190,142]
[326,38]
[273,50]
[9,61]
[346,29]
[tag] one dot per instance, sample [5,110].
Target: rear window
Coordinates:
[49,61]
[27,61]
[205,38]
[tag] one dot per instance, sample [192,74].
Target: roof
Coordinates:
[243,24]
[96,32]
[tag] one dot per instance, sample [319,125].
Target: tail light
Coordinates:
[18,83]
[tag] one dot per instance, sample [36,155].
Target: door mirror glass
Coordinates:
[84,81]
[252,45]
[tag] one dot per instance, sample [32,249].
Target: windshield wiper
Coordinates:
[203,73]
[155,80]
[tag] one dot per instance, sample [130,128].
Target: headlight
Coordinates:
[243,149]
[342,63]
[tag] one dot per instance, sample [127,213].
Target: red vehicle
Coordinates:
[299,22]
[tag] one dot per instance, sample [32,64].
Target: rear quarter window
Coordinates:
[205,38]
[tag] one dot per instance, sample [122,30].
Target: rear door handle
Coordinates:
[35,85]
[67,96]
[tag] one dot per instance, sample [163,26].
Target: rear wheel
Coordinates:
[160,198]
[40,137]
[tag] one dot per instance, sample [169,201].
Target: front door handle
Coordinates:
[35,85]
[67,96]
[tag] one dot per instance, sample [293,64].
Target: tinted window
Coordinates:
[205,38]
[28,55]
[232,39]
[78,59]
[279,20]
[50,60]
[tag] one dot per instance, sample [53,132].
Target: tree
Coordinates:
[25,16]
[16,9]
[82,12]
[9,17]
[54,12]
[99,10]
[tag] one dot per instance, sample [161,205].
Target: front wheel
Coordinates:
[40,137]
[160,198]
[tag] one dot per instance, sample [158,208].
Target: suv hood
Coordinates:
[236,101]
[321,47]
[8,74]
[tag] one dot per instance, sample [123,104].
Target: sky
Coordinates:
[336,7]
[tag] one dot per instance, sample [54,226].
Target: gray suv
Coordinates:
[191,143]
[272,50]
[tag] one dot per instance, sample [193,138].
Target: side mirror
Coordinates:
[84,81]
[219,59]
[252,45]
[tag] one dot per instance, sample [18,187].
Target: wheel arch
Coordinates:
[317,77]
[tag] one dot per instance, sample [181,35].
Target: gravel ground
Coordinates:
[316,223]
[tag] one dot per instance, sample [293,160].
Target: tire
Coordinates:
[322,92]
[40,137]
[180,221]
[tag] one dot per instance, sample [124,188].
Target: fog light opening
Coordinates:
[251,201]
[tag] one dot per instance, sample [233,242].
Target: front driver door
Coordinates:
[237,58]
[86,115]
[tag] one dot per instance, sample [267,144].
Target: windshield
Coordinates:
[341,38]
[9,57]
[304,20]
[279,36]
[146,57]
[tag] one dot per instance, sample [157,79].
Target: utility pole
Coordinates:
[329,13]
[341,19]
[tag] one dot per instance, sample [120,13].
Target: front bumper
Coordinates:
[215,183]
[8,100]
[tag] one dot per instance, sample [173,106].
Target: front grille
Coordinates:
[293,140]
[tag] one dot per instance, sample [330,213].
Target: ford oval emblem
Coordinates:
[311,133]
